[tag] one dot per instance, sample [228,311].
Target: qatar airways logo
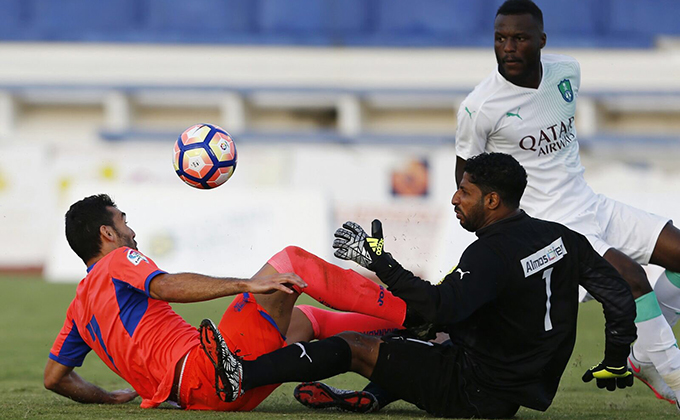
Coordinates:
[550,139]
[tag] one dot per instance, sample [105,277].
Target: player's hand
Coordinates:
[609,377]
[278,282]
[352,243]
[122,396]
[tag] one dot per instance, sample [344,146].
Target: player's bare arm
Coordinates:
[192,287]
[64,381]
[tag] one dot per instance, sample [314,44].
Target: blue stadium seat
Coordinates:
[629,17]
[291,16]
[329,22]
[575,17]
[200,18]
[429,16]
[351,17]
[14,19]
[84,19]
[434,22]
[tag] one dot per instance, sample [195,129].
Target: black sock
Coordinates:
[299,362]
[383,397]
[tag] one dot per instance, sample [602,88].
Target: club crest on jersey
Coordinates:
[565,90]
[135,257]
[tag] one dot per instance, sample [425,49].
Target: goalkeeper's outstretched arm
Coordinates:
[449,302]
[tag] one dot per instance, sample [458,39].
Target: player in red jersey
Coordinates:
[121,311]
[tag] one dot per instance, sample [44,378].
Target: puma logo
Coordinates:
[461,272]
[304,352]
[514,114]
[469,112]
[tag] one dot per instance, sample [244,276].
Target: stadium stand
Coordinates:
[444,23]
[82,83]
[317,101]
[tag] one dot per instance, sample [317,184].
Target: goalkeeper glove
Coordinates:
[352,243]
[609,377]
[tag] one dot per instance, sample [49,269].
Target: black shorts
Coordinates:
[436,378]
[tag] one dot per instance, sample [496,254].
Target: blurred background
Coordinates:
[340,110]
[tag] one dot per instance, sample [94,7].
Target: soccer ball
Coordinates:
[205,156]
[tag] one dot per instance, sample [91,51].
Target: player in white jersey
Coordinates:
[499,116]
[526,108]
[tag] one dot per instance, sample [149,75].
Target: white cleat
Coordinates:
[647,373]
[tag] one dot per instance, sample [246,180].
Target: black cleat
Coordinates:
[228,367]
[320,395]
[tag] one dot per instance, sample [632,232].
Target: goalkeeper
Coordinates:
[510,308]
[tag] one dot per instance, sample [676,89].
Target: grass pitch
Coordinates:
[32,312]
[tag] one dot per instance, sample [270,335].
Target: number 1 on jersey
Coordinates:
[547,323]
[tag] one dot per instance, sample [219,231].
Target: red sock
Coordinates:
[345,290]
[328,323]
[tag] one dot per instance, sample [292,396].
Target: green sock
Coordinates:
[647,307]
[667,289]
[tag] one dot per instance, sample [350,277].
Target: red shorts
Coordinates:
[249,332]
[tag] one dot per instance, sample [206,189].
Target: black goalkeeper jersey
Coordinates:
[511,304]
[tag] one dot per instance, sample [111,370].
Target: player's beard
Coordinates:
[126,240]
[529,66]
[473,219]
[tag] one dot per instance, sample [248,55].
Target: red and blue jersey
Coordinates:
[138,337]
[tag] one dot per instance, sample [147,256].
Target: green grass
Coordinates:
[32,312]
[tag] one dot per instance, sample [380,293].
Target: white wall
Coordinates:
[279,195]
[407,68]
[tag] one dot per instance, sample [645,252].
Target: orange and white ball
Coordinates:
[205,156]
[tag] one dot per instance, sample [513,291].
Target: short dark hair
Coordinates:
[500,173]
[521,7]
[83,220]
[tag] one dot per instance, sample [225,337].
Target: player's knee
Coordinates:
[50,383]
[364,350]
[352,338]
[295,250]
[636,277]
[631,271]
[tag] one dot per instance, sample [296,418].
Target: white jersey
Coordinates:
[536,126]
